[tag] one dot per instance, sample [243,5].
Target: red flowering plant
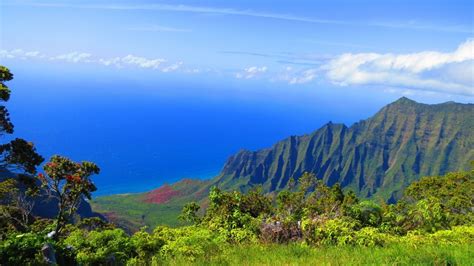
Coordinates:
[68,182]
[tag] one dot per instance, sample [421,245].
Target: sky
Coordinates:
[158,90]
[415,48]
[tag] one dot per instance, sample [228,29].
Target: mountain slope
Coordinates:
[159,206]
[376,157]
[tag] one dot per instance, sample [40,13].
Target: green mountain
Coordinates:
[376,157]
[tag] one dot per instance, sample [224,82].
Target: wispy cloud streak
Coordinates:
[252,13]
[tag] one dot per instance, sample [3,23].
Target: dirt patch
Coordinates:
[161,195]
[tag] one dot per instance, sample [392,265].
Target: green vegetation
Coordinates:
[68,182]
[131,212]
[397,254]
[304,222]
[158,207]
[18,162]
[309,223]
[377,158]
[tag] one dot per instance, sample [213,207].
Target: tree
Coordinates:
[291,203]
[15,208]
[325,200]
[441,201]
[18,156]
[18,162]
[68,182]
[189,213]
[235,213]
[256,203]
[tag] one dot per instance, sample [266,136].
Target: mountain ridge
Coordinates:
[376,157]
[334,152]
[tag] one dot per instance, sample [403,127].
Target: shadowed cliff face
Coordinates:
[374,157]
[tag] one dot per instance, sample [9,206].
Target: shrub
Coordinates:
[188,242]
[368,213]
[323,231]
[100,247]
[22,249]
[428,215]
[457,235]
[337,232]
[146,245]
[371,237]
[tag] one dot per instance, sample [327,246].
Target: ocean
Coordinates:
[143,134]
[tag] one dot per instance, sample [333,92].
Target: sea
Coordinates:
[144,131]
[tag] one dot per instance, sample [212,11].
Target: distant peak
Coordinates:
[404,100]
[450,102]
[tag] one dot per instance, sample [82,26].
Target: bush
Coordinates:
[188,242]
[371,237]
[338,231]
[100,247]
[457,235]
[22,249]
[368,213]
[146,245]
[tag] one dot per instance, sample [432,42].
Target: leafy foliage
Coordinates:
[18,162]
[68,182]
[21,249]
[100,247]
[329,217]
[189,213]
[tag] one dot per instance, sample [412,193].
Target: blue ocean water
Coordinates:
[143,133]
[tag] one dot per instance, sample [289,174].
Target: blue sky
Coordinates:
[421,49]
[153,91]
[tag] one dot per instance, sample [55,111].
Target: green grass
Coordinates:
[132,213]
[347,255]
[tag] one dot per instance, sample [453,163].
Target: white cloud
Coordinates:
[304,77]
[80,57]
[251,72]
[137,61]
[141,62]
[21,54]
[428,70]
[172,67]
[297,76]
[74,57]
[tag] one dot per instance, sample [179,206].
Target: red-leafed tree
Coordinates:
[69,182]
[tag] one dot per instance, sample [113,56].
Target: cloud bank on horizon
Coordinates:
[427,70]
[450,73]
